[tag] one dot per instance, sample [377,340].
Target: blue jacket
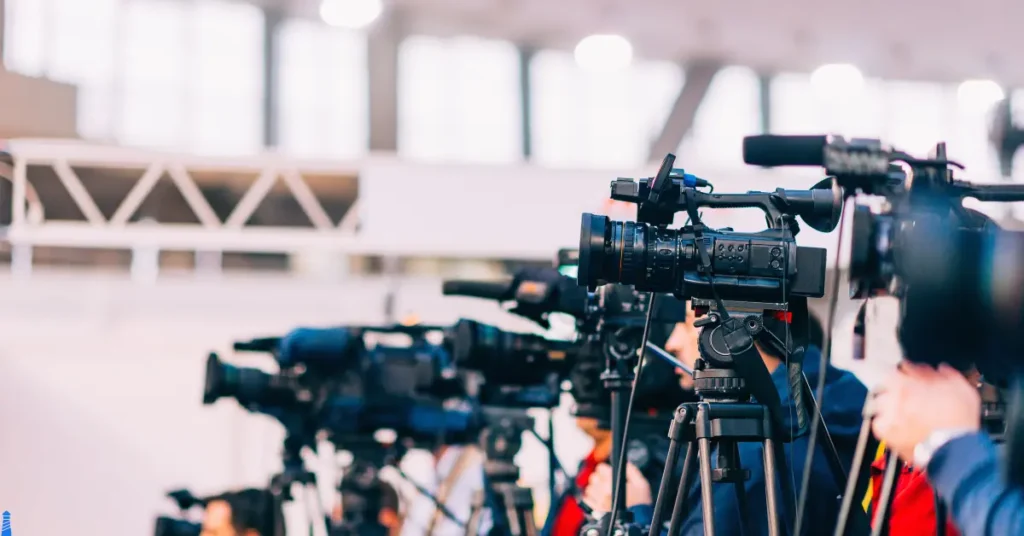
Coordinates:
[964,472]
[844,401]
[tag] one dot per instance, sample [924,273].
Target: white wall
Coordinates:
[101,382]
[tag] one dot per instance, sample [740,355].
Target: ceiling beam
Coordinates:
[385,38]
[684,110]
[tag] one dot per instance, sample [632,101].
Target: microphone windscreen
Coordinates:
[770,150]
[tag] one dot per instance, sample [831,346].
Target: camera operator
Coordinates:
[844,401]
[457,474]
[913,509]
[250,512]
[566,517]
[931,418]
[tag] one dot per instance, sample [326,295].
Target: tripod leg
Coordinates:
[770,478]
[666,481]
[893,468]
[851,483]
[679,508]
[524,511]
[706,493]
[512,518]
[740,487]
[473,525]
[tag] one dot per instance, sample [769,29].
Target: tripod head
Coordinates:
[294,470]
[500,440]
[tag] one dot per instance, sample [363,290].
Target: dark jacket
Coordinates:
[964,472]
[844,401]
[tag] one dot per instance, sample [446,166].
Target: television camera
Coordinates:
[610,326]
[920,244]
[330,381]
[745,287]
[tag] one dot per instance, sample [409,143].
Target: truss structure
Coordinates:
[29,226]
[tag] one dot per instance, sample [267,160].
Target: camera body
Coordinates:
[944,262]
[750,266]
[506,369]
[330,381]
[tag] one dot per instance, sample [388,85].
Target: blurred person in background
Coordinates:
[844,400]
[373,495]
[453,479]
[566,516]
[250,512]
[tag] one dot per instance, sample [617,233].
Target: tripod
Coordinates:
[501,440]
[295,472]
[725,415]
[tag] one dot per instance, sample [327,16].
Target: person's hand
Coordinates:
[918,400]
[598,494]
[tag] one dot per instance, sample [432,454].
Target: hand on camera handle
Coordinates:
[917,401]
[598,495]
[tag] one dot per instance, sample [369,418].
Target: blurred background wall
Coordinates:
[183,173]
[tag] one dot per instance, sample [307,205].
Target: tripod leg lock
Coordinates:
[681,428]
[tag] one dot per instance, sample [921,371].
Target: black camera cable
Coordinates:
[426,493]
[819,392]
[618,482]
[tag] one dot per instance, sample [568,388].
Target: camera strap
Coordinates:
[470,455]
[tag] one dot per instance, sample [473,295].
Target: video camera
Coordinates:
[750,266]
[330,381]
[610,321]
[505,369]
[944,262]
[745,288]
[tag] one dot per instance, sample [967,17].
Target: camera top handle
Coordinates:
[671,191]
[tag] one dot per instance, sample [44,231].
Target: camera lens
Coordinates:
[244,384]
[871,250]
[631,253]
[505,357]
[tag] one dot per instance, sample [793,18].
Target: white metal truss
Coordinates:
[30,228]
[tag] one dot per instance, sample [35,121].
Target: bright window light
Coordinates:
[604,53]
[351,14]
[979,95]
[837,80]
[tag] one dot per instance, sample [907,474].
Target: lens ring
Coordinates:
[593,230]
[214,379]
[627,258]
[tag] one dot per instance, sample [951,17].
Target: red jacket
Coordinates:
[570,516]
[913,507]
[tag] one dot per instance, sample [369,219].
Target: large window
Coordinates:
[730,111]
[586,119]
[226,93]
[161,73]
[323,90]
[459,100]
